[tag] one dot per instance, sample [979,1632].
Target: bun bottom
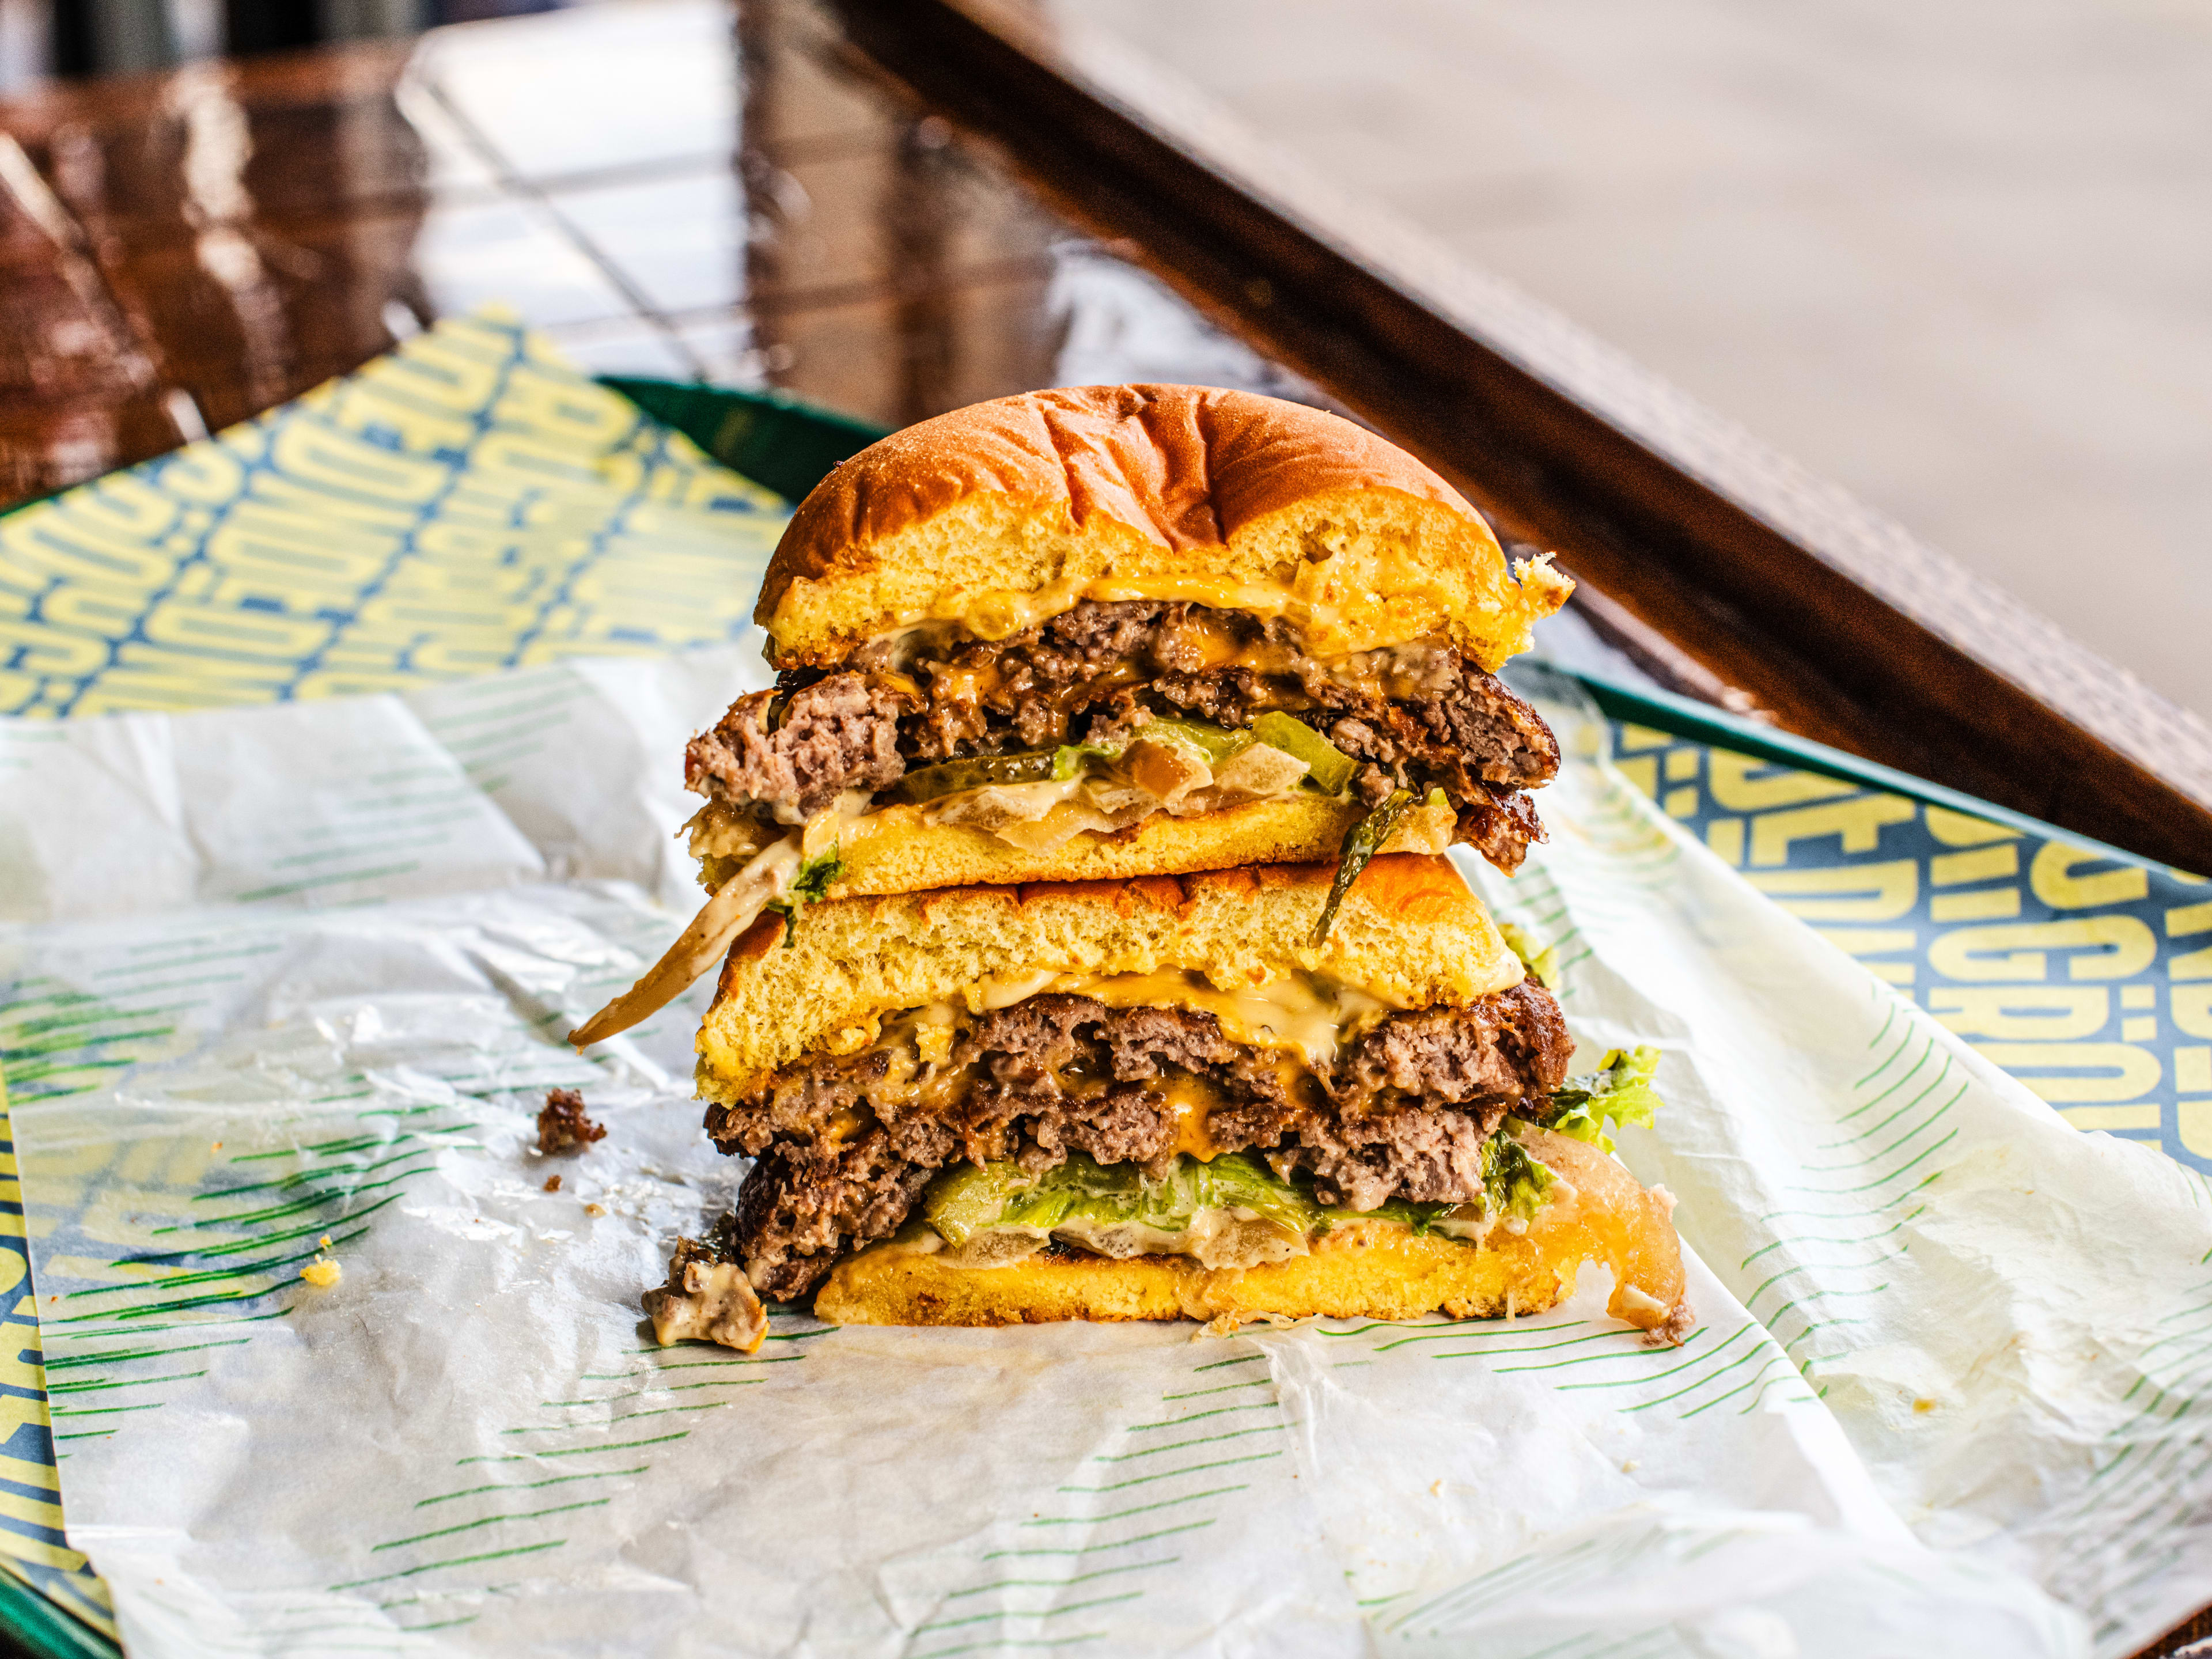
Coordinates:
[1363,1270]
[895,850]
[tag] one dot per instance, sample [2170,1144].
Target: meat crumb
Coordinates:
[1672,1332]
[562,1125]
[552,1183]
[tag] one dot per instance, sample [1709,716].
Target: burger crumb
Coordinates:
[595,1209]
[1672,1331]
[321,1272]
[552,1183]
[562,1125]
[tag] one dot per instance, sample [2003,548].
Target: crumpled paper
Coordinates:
[295,979]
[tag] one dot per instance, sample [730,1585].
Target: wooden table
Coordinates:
[896,207]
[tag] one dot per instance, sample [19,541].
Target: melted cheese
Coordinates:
[1350,602]
[1297,1011]
[1300,1017]
[1190,1099]
[1270,599]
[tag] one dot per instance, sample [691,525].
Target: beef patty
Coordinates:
[1418,716]
[845,1145]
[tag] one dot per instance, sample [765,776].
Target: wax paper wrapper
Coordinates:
[288,985]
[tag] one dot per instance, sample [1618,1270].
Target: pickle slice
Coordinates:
[979,772]
[1361,842]
[1329,767]
[1213,744]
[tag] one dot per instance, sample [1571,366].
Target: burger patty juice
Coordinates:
[1084,951]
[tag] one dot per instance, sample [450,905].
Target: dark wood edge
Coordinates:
[1835,617]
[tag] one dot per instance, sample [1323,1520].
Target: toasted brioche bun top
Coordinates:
[1411,934]
[1002,513]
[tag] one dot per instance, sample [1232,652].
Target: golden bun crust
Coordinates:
[1358,1270]
[1411,932]
[893,850]
[1053,492]
[1365,1270]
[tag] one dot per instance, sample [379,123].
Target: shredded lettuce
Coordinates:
[1421,1217]
[810,886]
[975,1198]
[1620,1089]
[1515,1182]
[972,1199]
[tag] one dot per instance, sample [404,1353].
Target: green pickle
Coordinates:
[1328,767]
[1211,744]
[1215,744]
[957,777]
[1361,842]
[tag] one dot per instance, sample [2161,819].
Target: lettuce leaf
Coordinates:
[1620,1089]
[1543,965]
[1515,1182]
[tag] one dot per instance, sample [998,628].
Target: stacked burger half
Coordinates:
[1086,947]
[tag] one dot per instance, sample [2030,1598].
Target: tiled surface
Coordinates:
[237,233]
[1956,258]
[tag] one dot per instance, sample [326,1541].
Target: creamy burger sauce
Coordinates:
[1215,1238]
[1300,1012]
[1301,1017]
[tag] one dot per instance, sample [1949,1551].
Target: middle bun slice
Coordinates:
[1147,1099]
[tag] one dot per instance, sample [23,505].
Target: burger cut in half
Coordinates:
[1110,632]
[1158,1099]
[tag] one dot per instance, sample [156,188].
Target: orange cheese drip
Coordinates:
[1191,1099]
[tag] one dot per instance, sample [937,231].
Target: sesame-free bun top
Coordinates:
[1003,514]
[1411,934]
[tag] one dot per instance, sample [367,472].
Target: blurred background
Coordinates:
[1957,258]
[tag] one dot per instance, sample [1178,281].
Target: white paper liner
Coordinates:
[1976,1369]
